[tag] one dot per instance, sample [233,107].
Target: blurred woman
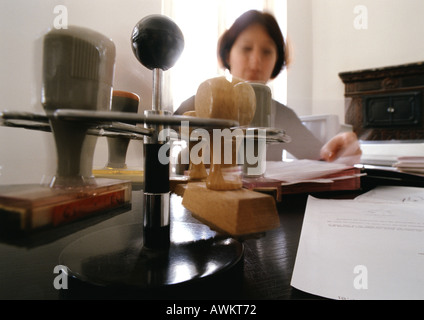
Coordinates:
[253,49]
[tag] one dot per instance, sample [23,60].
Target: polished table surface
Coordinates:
[27,264]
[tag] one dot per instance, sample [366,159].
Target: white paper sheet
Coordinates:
[301,170]
[394,194]
[368,248]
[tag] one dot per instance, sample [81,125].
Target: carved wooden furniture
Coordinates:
[386,103]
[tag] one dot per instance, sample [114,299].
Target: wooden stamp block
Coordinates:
[236,212]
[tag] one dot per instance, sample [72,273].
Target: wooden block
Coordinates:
[238,213]
[29,207]
[177,184]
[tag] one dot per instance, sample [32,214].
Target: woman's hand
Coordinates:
[343,148]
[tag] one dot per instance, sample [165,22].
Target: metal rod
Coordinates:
[157,89]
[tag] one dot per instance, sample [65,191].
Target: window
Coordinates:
[202,23]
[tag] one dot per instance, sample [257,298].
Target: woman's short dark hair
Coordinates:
[247,19]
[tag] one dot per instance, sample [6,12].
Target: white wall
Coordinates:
[394,36]
[326,43]
[299,39]
[26,155]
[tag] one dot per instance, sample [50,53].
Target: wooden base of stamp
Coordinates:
[237,213]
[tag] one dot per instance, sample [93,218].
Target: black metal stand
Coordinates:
[116,257]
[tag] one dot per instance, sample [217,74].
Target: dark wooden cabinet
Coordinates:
[386,103]
[392,110]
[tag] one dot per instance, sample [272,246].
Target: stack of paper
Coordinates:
[367,248]
[303,170]
[410,164]
[305,176]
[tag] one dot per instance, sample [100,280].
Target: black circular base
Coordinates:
[116,257]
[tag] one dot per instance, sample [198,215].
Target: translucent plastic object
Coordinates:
[232,99]
[116,167]
[78,69]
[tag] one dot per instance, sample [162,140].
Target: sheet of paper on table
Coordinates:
[371,247]
[301,170]
[410,164]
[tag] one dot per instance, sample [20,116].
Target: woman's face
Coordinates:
[253,55]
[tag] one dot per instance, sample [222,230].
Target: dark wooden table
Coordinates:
[27,264]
